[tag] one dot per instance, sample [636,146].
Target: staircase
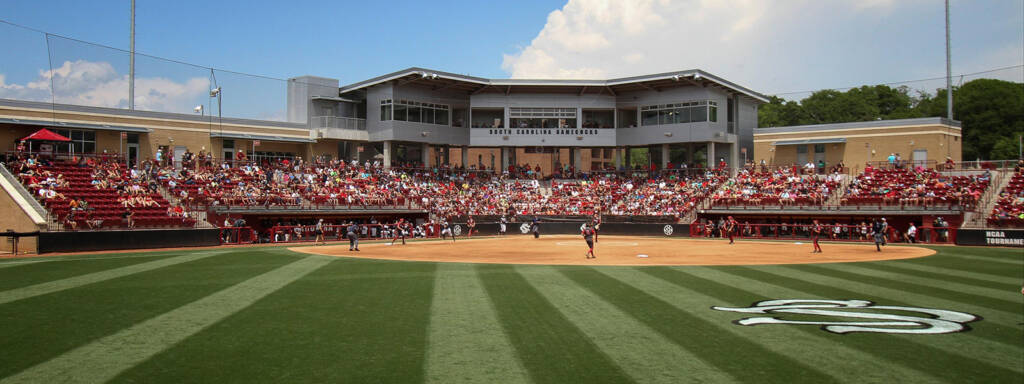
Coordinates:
[200,216]
[977,217]
[837,195]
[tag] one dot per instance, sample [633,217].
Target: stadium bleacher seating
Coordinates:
[1009,208]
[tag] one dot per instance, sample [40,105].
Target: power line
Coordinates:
[909,81]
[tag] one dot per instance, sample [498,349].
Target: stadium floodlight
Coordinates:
[696,76]
[214,92]
[676,77]
[424,75]
[433,75]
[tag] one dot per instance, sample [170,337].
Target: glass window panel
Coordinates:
[441,116]
[649,118]
[76,135]
[698,114]
[666,116]
[385,112]
[713,114]
[682,115]
[400,112]
[414,114]
[801,149]
[427,115]
[89,147]
[819,148]
[89,135]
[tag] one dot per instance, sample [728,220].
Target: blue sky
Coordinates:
[769,46]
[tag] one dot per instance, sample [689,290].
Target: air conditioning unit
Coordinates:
[579,137]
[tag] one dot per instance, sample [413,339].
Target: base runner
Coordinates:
[503,226]
[399,231]
[730,228]
[588,235]
[815,234]
[470,226]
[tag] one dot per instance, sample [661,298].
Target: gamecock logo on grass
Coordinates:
[867,317]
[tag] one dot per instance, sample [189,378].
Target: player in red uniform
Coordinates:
[815,234]
[399,231]
[588,235]
[471,225]
[730,228]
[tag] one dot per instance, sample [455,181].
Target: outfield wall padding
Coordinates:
[78,241]
[991,237]
[625,229]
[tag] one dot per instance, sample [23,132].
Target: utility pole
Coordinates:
[949,70]
[131,64]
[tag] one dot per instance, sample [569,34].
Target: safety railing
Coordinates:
[338,122]
[802,231]
[337,232]
[238,235]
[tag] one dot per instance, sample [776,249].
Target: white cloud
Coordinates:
[98,84]
[768,46]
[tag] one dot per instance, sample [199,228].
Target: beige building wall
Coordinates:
[16,219]
[864,144]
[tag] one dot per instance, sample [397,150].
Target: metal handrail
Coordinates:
[351,123]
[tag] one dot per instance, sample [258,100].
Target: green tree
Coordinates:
[991,111]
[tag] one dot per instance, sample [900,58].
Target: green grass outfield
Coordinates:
[271,315]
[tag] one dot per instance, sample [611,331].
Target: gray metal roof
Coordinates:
[690,76]
[810,141]
[245,136]
[65,124]
[150,114]
[859,124]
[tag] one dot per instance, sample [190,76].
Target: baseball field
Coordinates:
[274,314]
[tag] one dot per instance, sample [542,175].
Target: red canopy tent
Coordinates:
[45,135]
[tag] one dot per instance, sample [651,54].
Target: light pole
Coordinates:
[216,93]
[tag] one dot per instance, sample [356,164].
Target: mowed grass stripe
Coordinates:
[95,277]
[551,347]
[43,327]
[916,356]
[466,343]
[646,355]
[947,259]
[849,272]
[322,328]
[993,341]
[933,281]
[958,275]
[104,359]
[19,274]
[746,360]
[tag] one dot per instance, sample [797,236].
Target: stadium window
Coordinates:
[713,114]
[385,112]
[801,149]
[414,114]
[649,118]
[399,112]
[819,148]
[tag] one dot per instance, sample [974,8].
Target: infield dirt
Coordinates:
[619,250]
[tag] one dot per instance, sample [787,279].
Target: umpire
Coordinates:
[353,236]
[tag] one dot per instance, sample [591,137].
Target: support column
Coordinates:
[712,162]
[387,155]
[618,158]
[425,155]
[504,159]
[448,155]
[734,158]
[465,156]
[629,158]
[664,156]
[577,158]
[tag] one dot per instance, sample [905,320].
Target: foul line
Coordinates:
[78,281]
[105,358]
